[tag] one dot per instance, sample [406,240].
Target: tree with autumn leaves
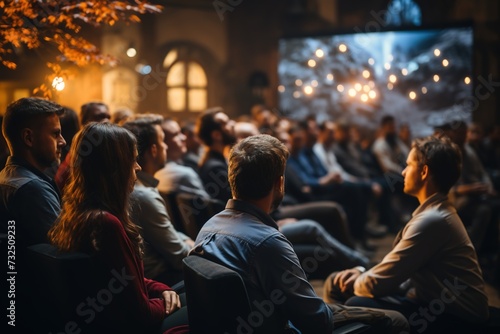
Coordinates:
[34,23]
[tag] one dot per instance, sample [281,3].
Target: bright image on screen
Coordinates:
[422,77]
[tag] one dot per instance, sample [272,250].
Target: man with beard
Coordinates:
[30,201]
[216,130]
[246,239]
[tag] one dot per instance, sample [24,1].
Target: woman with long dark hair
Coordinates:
[95,220]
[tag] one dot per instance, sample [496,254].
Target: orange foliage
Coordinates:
[30,24]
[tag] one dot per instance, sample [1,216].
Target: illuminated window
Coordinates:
[186,84]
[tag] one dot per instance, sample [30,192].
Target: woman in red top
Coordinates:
[95,220]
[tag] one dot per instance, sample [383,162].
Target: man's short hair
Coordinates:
[26,113]
[443,158]
[87,109]
[143,128]
[206,124]
[255,164]
[387,119]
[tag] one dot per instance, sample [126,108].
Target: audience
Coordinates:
[475,198]
[334,172]
[308,232]
[32,130]
[305,165]
[164,247]
[432,259]
[95,220]
[246,239]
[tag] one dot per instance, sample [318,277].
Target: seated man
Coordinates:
[164,246]
[30,201]
[246,239]
[175,177]
[433,255]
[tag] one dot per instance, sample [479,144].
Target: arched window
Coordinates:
[186,84]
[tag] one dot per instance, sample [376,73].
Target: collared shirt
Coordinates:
[435,252]
[163,243]
[179,179]
[30,198]
[246,240]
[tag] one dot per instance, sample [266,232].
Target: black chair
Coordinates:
[60,284]
[173,210]
[219,303]
[195,211]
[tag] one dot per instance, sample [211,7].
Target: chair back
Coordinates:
[196,211]
[61,283]
[216,296]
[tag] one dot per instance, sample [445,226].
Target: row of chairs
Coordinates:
[216,295]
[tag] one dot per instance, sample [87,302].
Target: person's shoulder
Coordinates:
[108,221]
[432,218]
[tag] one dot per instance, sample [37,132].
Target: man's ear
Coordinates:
[153,150]
[27,137]
[280,183]
[425,172]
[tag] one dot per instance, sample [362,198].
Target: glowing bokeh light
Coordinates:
[329,77]
[437,52]
[308,90]
[320,53]
[311,63]
[372,94]
[340,88]
[131,52]
[435,78]
[366,74]
[404,71]
[467,80]
[281,88]
[298,82]
[412,95]
[445,62]
[424,90]
[393,78]
[58,83]
[342,48]
[352,92]
[358,86]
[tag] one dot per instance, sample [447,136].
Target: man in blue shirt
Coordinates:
[246,239]
[27,196]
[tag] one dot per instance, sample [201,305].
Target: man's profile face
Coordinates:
[162,147]
[227,128]
[47,141]
[100,114]
[412,174]
[174,138]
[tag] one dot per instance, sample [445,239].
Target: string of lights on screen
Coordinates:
[365,89]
